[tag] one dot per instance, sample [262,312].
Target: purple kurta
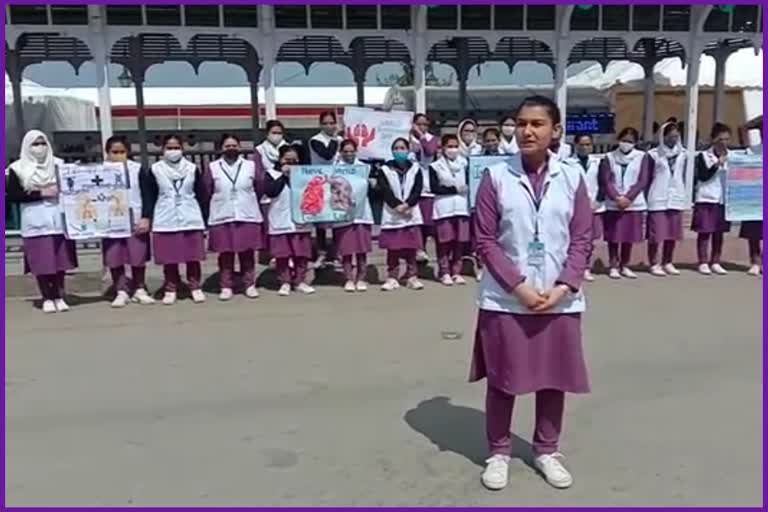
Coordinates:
[751,230]
[236,237]
[624,226]
[453,229]
[401,238]
[663,226]
[133,251]
[48,254]
[526,353]
[178,247]
[291,245]
[709,218]
[352,239]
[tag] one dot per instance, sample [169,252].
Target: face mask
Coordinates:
[329,130]
[626,147]
[582,151]
[400,155]
[172,155]
[468,139]
[451,153]
[670,143]
[508,131]
[39,152]
[118,157]
[231,154]
[275,138]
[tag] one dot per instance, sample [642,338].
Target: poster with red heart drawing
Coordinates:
[374,131]
[328,193]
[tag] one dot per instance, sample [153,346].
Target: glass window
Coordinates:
[677,18]
[326,16]
[646,17]
[442,17]
[241,16]
[745,18]
[291,16]
[475,17]
[584,18]
[508,17]
[29,15]
[396,17]
[362,16]
[163,14]
[615,17]
[123,15]
[201,15]
[69,14]
[541,17]
[717,21]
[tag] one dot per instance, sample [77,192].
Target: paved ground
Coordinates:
[342,399]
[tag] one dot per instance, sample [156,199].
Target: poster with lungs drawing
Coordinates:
[375,131]
[328,193]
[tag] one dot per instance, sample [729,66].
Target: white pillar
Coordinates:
[561,85]
[420,59]
[268,51]
[721,57]
[649,105]
[692,114]
[100,51]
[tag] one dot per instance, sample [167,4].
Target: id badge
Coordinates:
[536,254]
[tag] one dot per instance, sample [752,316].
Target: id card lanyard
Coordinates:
[233,181]
[536,249]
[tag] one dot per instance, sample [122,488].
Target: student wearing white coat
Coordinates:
[468,138]
[32,182]
[324,150]
[590,166]
[265,158]
[666,200]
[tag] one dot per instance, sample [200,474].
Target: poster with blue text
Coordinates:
[94,200]
[477,165]
[328,193]
[744,188]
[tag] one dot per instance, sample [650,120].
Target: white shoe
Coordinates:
[719,270]
[457,279]
[305,289]
[422,256]
[169,299]
[198,297]
[446,280]
[670,269]
[496,474]
[361,286]
[657,271]
[225,294]
[121,300]
[49,306]
[705,270]
[479,275]
[614,273]
[319,262]
[61,306]
[142,297]
[349,286]
[414,283]
[390,284]
[272,263]
[588,277]
[627,272]
[554,472]
[285,290]
[252,292]
[754,270]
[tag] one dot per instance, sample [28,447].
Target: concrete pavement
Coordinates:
[338,399]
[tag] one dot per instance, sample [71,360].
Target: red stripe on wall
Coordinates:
[238,111]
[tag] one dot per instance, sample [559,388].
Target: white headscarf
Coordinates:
[35,175]
[663,150]
[270,153]
[175,171]
[448,169]
[508,147]
[473,149]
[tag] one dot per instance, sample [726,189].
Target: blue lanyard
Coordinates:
[536,204]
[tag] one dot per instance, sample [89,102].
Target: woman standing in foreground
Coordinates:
[533,224]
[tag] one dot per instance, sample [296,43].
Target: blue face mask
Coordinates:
[400,155]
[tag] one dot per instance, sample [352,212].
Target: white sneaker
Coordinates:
[554,472]
[457,279]
[361,286]
[422,256]
[719,270]
[49,306]
[614,273]
[670,269]
[121,300]
[496,474]
[225,294]
[349,286]
[272,263]
[319,262]
[705,270]
[252,292]
[588,276]
[142,297]
[414,283]
[61,306]
[198,297]
[479,275]
[285,290]
[627,272]
[390,284]
[446,280]
[305,289]
[754,270]
[169,299]
[657,271]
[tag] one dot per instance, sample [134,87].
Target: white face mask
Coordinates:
[626,147]
[508,131]
[275,138]
[451,153]
[39,152]
[172,155]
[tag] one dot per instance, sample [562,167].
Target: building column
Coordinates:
[692,114]
[268,51]
[14,69]
[137,69]
[561,84]
[419,59]
[359,70]
[100,52]
[462,72]
[255,111]
[721,58]
[649,103]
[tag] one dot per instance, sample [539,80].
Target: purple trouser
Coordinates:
[550,404]
[449,258]
[754,251]
[173,278]
[361,262]
[393,263]
[702,247]
[122,284]
[227,268]
[614,259]
[667,254]
[284,274]
[51,286]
